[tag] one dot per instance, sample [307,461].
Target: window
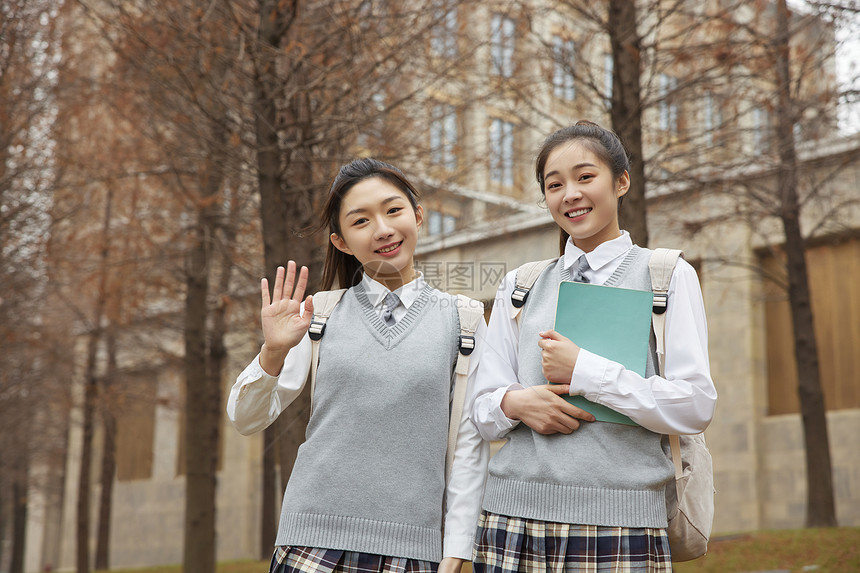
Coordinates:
[761,127]
[834,283]
[608,71]
[135,428]
[502,45]
[443,35]
[502,152]
[713,117]
[563,86]
[434,223]
[375,110]
[668,109]
[443,136]
[440,224]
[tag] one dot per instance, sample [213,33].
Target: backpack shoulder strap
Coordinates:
[661,265]
[324,303]
[527,274]
[470,312]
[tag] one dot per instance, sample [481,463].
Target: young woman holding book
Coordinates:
[368,491]
[566,492]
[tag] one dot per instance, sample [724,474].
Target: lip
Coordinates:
[394,251]
[577,214]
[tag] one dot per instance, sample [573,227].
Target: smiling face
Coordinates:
[582,194]
[379,227]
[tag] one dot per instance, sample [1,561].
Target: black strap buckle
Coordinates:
[467,344]
[518,297]
[316,330]
[661,300]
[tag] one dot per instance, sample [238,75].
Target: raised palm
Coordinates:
[281,316]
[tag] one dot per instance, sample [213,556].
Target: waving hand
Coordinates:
[283,323]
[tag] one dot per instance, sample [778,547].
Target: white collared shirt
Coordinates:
[681,402]
[408,294]
[257,399]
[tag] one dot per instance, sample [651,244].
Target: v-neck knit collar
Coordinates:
[389,336]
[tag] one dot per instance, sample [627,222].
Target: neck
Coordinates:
[392,280]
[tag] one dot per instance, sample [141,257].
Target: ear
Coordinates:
[339,243]
[623,184]
[419,216]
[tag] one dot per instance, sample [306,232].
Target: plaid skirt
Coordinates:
[319,560]
[515,545]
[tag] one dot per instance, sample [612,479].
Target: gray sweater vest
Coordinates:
[370,475]
[603,473]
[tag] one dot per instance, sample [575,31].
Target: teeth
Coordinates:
[577,213]
[388,249]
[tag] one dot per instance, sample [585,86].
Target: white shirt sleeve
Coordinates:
[681,402]
[498,373]
[257,399]
[469,471]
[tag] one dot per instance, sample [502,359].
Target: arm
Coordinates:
[501,403]
[277,375]
[257,398]
[680,402]
[468,473]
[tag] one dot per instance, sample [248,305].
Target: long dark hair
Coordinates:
[340,269]
[604,143]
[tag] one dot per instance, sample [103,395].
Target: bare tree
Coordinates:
[820,507]
[27,89]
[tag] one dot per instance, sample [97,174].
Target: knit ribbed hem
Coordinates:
[561,503]
[361,535]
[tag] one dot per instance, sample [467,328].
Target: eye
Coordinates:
[393,210]
[586,177]
[359,221]
[553,185]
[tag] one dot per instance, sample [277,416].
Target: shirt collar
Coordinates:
[408,293]
[602,255]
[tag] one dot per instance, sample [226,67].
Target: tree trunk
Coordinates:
[626,112]
[2,504]
[199,546]
[90,397]
[83,508]
[108,470]
[820,509]
[19,521]
[273,216]
[203,382]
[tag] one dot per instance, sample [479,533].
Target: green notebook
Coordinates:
[611,322]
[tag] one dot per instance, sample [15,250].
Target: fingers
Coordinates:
[278,291]
[309,306]
[578,413]
[302,284]
[289,281]
[285,281]
[264,287]
[551,335]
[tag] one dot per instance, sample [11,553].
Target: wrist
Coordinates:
[272,359]
[509,404]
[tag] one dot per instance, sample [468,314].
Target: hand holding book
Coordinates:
[612,322]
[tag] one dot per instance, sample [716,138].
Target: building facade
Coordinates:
[523,70]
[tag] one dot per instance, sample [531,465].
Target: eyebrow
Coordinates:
[384,202]
[575,167]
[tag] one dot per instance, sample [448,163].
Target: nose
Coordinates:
[382,228]
[572,193]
